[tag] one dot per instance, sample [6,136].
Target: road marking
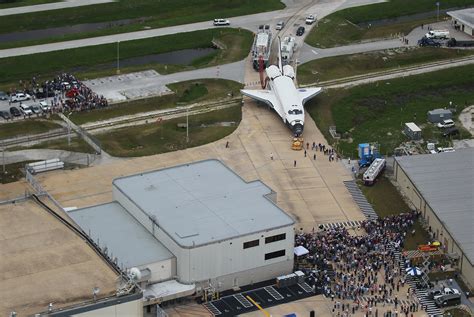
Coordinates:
[315,53]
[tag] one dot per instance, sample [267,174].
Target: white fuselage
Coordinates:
[289,106]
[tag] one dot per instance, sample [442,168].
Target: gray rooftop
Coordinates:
[446,181]
[466,16]
[203,202]
[124,236]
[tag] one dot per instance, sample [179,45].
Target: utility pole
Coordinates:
[3,155]
[187,125]
[69,130]
[437,16]
[118,57]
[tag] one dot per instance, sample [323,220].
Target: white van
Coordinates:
[219,22]
[448,123]
[26,110]
[437,34]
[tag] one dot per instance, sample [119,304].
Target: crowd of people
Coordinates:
[350,266]
[66,93]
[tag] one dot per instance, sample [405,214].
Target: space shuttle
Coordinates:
[283,96]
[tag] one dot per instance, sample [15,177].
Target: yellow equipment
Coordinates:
[297,144]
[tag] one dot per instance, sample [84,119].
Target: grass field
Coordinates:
[356,64]
[96,61]
[188,91]
[387,201]
[342,27]
[13,172]
[152,139]
[77,145]
[26,127]
[149,13]
[376,112]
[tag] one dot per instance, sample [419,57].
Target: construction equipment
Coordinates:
[297,144]
[368,152]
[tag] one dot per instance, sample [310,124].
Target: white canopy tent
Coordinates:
[300,250]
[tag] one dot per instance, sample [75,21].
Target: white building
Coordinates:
[196,224]
[463,20]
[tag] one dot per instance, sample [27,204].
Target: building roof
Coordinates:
[439,111]
[412,126]
[466,16]
[203,202]
[446,182]
[42,261]
[123,235]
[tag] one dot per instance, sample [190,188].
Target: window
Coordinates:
[275,254]
[278,237]
[251,244]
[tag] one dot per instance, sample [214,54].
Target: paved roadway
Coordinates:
[50,6]
[250,22]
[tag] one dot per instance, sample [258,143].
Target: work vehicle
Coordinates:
[437,34]
[448,123]
[20,97]
[44,106]
[455,43]
[287,48]
[300,31]
[424,41]
[15,112]
[445,149]
[3,95]
[36,109]
[368,152]
[261,47]
[26,110]
[374,170]
[448,300]
[219,22]
[5,115]
[451,132]
[310,19]
[280,25]
[440,291]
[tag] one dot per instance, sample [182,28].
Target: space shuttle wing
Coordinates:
[266,96]
[308,93]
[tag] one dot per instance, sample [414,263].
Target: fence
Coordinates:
[334,134]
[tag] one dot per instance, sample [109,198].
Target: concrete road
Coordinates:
[250,22]
[50,6]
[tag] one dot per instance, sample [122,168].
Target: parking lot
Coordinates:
[267,296]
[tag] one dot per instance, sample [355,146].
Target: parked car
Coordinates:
[300,31]
[5,115]
[451,132]
[448,299]
[3,95]
[438,291]
[424,41]
[448,123]
[219,22]
[44,106]
[310,19]
[26,110]
[280,25]
[20,97]
[44,94]
[15,112]
[36,109]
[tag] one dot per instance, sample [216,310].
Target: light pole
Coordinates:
[437,15]
[118,57]
[68,129]
[187,125]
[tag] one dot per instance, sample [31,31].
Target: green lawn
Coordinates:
[376,112]
[26,127]
[77,145]
[188,91]
[152,139]
[387,201]
[96,61]
[456,312]
[344,27]
[357,64]
[151,13]
[13,172]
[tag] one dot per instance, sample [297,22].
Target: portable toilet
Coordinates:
[438,115]
[412,131]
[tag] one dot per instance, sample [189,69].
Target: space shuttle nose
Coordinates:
[297,129]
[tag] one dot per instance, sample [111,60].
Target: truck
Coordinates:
[374,170]
[448,299]
[425,41]
[288,46]
[367,154]
[261,47]
[455,43]
[437,34]
[310,19]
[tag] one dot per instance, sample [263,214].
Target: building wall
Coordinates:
[129,309]
[437,227]
[161,271]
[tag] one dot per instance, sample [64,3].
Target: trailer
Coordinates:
[287,47]
[368,152]
[261,47]
[374,170]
